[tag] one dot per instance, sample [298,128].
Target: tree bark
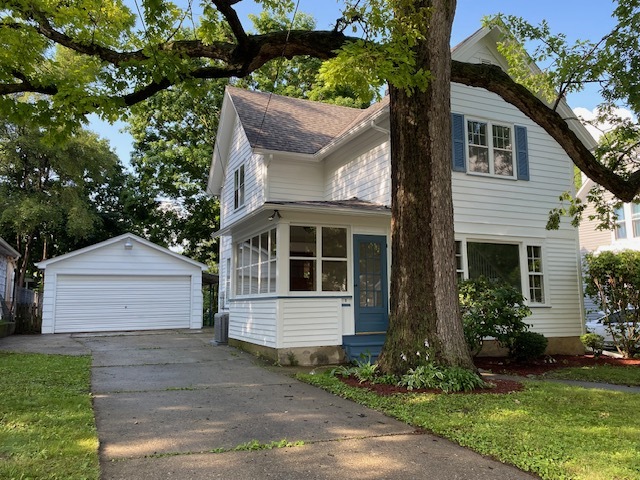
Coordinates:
[425,315]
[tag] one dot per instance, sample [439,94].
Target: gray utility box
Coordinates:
[221,328]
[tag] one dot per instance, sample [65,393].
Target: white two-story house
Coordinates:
[305,217]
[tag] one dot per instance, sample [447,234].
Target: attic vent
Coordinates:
[484,61]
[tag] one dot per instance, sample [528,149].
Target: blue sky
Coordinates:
[577,19]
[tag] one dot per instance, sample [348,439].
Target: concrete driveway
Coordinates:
[170,405]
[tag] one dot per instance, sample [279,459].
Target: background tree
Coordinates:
[115,65]
[58,196]
[173,134]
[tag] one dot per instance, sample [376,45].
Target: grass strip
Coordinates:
[600,373]
[47,427]
[553,430]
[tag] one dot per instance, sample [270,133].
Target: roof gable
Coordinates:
[127,237]
[7,250]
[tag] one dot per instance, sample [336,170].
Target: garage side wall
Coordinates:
[80,291]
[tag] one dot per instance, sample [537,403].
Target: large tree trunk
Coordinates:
[424,295]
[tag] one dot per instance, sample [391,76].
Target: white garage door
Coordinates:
[100,303]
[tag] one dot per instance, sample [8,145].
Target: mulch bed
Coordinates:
[547,364]
[500,365]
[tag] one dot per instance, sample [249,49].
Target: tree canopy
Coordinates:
[94,56]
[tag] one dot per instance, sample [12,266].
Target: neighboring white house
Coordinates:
[625,235]
[124,283]
[305,220]
[8,266]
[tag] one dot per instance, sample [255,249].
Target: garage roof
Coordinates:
[124,237]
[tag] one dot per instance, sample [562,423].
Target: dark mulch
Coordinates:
[501,365]
[547,364]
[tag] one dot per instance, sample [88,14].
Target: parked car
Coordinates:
[600,326]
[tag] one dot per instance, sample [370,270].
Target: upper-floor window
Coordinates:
[238,187]
[318,257]
[490,148]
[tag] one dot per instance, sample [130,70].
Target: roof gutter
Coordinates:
[338,141]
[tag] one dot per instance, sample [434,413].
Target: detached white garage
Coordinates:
[124,283]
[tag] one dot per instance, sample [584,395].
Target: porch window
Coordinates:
[256,264]
[238,187]
[311,247]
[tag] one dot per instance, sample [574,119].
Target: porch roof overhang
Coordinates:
[351,207]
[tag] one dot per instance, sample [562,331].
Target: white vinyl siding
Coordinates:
[254,321]
[99,303]
[291,181]
[361,170]
[311,322]
[240,155]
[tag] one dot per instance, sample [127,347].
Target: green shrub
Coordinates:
[593,342]
[447,379]
[612,280]
[527,346]
[491,309]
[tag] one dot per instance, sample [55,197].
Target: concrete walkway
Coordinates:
[169,405]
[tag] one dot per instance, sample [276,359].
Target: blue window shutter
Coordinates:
[458,160]
[522,152]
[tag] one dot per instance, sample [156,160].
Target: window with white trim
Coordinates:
[502,262]
[635,219]
[238,187]
[256,264]
[227,283]
[536,279]
[317,259]
[620,224]
[490,148]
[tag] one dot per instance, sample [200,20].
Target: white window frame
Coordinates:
[319,259]
[227,283]
[270,263]
[239,181]
[490,124]
[524,263]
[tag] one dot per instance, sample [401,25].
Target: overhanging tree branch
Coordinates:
[494,79]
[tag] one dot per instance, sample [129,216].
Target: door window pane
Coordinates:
[370,280]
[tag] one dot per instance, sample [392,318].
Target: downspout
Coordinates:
[377,127]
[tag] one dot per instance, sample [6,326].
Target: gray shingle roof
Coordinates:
[293,124]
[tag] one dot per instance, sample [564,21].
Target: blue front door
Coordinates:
[370,284]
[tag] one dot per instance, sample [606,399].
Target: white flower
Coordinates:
[418,353]
[426,343]
[403,356]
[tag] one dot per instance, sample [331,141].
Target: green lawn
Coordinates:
[553,430]
[47,428]
[600,373]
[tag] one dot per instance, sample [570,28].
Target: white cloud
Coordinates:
[596,131]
